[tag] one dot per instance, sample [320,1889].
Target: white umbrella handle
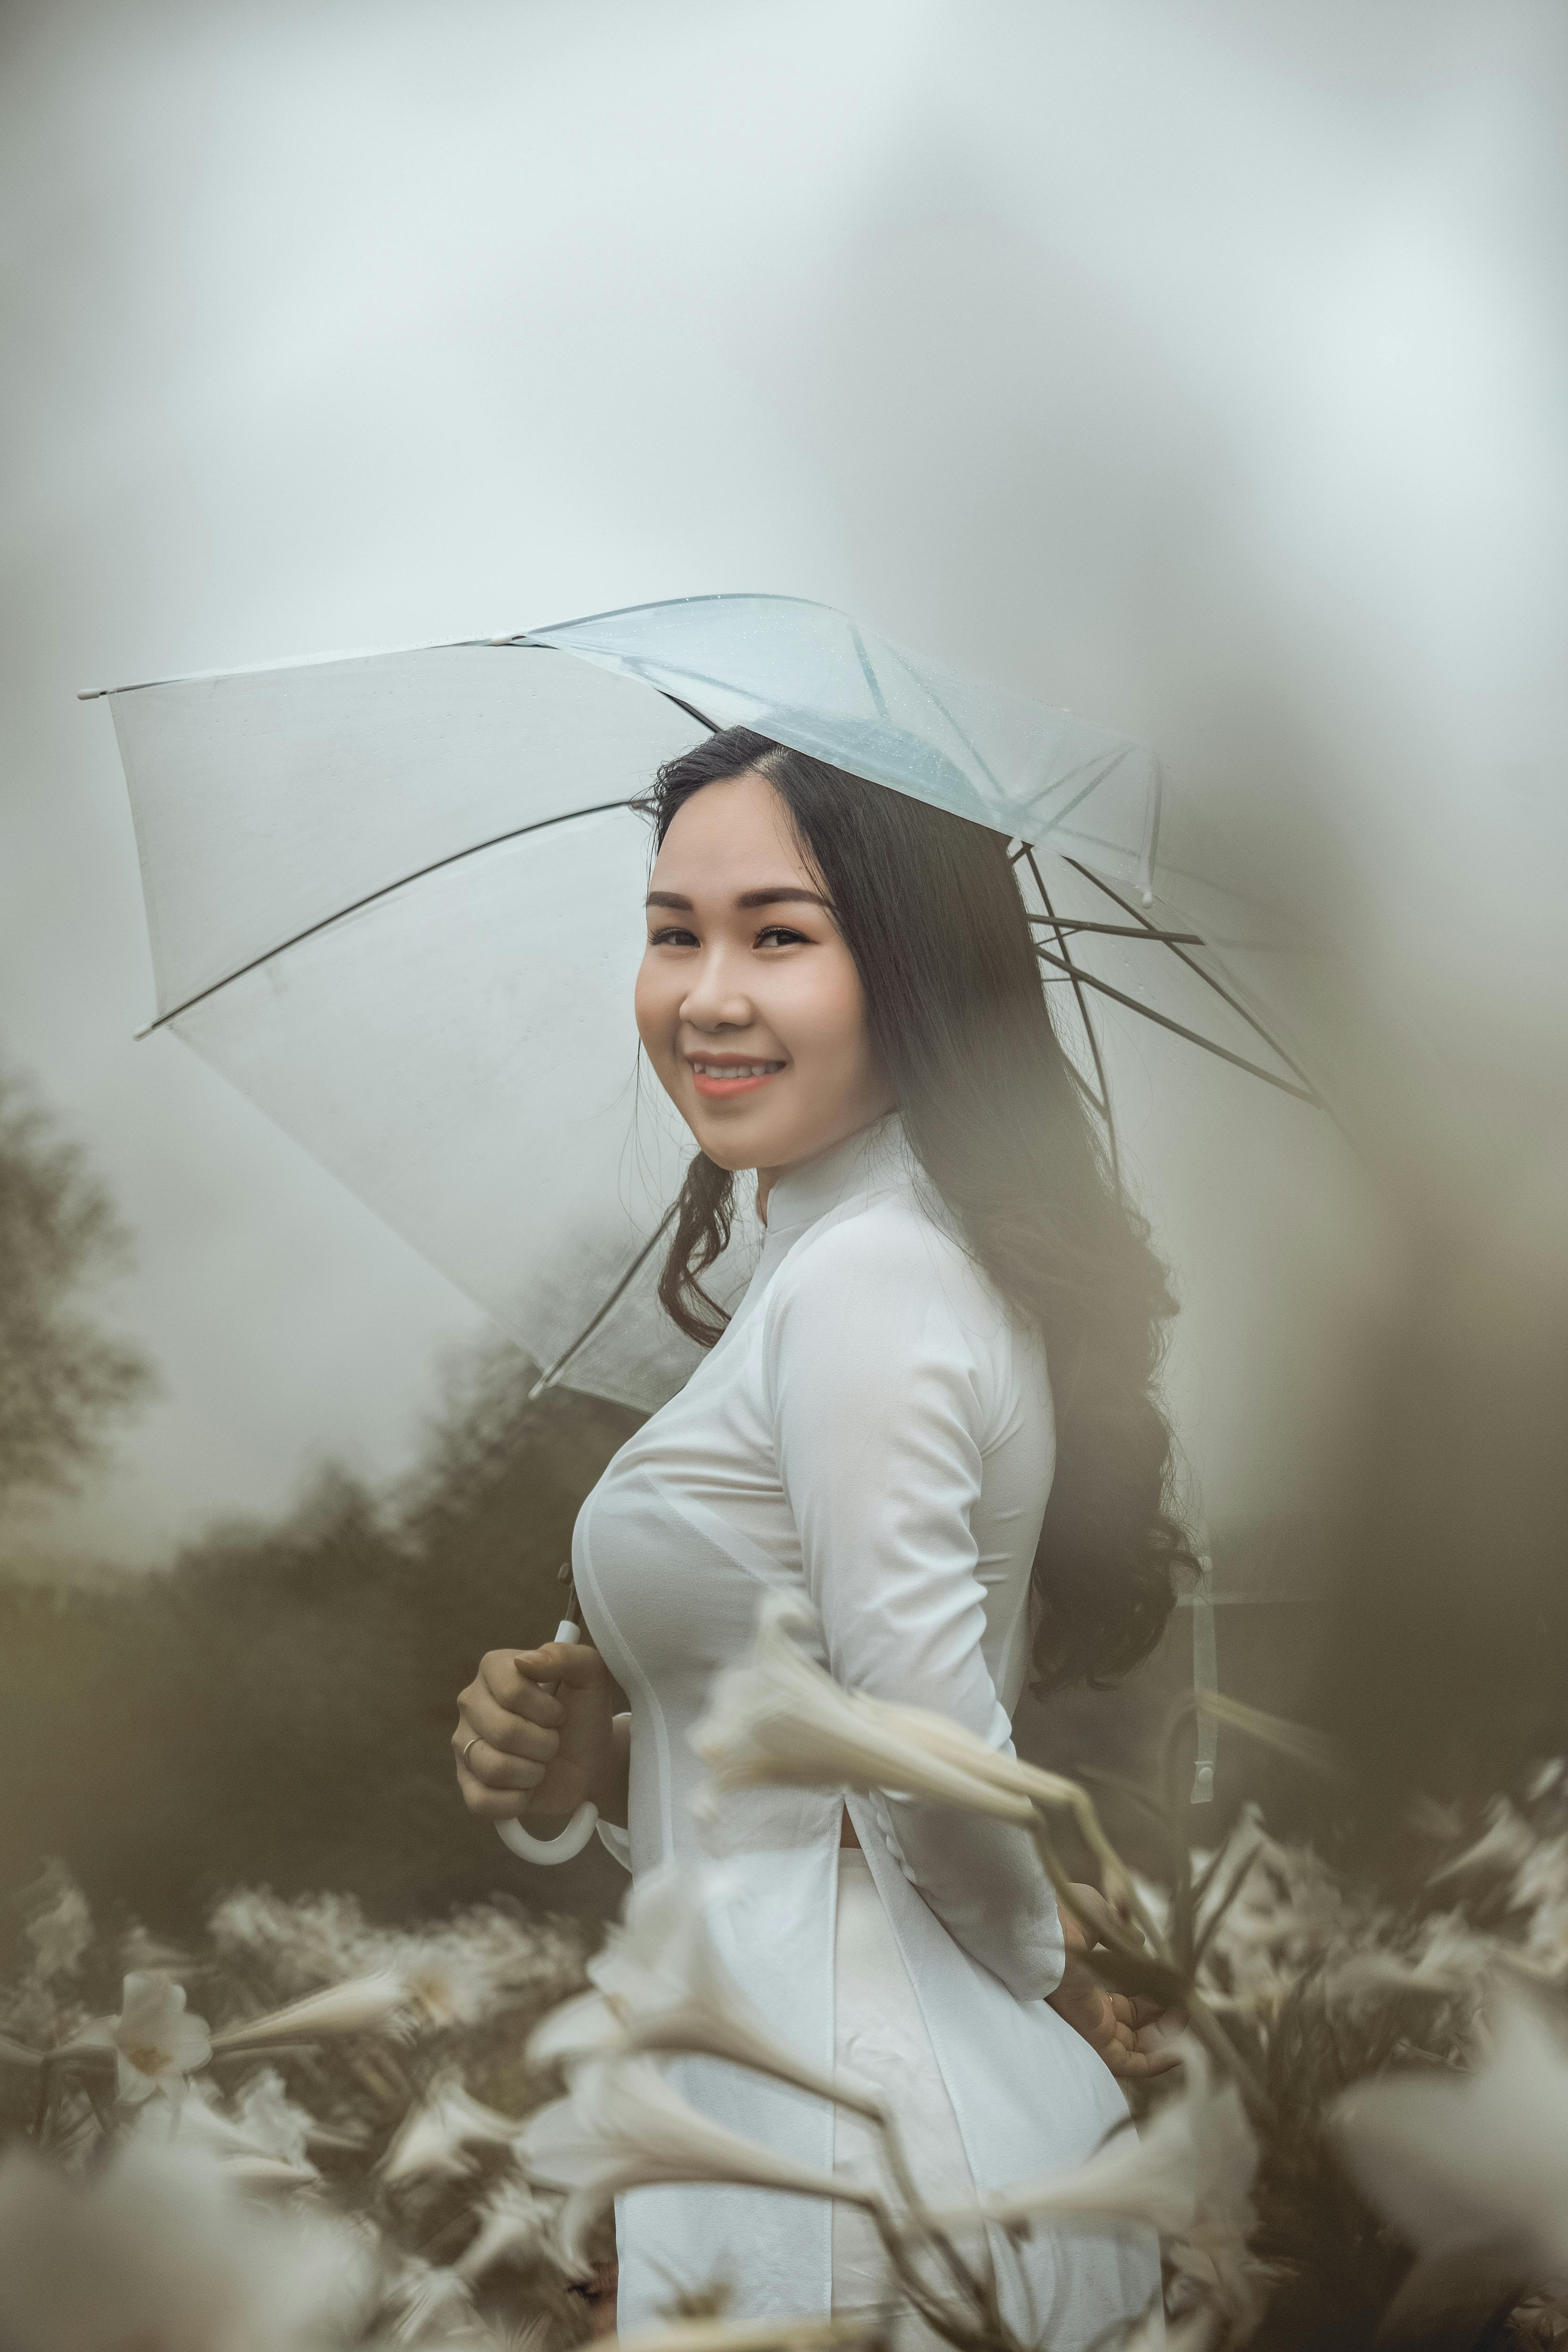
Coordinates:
[578,1829]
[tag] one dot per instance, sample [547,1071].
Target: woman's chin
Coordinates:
[730,1143]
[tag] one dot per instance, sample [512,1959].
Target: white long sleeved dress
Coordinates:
[874,1433]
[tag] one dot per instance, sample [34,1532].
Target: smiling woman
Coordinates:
[839,992]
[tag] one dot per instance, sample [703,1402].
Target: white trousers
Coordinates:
[880,2039]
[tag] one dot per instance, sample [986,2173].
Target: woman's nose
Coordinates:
[716,998]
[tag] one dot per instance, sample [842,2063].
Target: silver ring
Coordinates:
[472,1744]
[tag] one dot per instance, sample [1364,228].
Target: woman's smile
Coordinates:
[718,1075]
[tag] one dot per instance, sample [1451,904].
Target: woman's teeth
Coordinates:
[736,1069]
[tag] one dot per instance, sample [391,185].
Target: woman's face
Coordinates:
[748,1000]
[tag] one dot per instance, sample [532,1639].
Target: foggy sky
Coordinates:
[1193,373]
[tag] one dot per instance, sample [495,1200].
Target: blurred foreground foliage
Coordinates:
[275,1709]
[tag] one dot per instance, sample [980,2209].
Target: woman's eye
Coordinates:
[672,937]
[779,935]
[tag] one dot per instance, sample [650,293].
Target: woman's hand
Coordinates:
[521,1747]
[1124,2028]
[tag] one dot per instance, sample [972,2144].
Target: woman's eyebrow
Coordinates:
[780,894]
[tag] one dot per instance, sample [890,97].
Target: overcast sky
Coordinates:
[1187,366]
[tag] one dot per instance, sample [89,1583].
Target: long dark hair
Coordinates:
[929,906]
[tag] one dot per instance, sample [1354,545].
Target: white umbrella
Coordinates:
[395,898]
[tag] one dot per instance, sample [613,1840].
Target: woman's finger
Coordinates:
[488,1805]
[512,1734]
[504,1678]
[492,1766]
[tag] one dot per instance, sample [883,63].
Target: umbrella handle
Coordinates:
[578,1829]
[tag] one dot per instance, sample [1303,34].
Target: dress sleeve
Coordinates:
[882,1393]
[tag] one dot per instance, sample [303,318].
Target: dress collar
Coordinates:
[876,1159]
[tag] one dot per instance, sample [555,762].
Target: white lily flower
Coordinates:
[1478,2160]
[364,2005]
[436,2135]
[1189,2175]
[777,1719]
[514,2226]
[155,2040]
[622,2127]
[661,1987]
[156,2249]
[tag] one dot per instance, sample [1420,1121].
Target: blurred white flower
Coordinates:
[1448,1959]
[156,2042]
[514,2227]
[424,2296]
[455,1973]
[436,2135]
[661,1987]
[156,2249]
[622,2127]
[778,1719]
[268,2172]
[449,1982]
[1506,1841]
[1189,2175]
[197,2123]
[140,1948]
[59,1924]
[364,2005]
[1541,1888]
[311,1942]
[262,2143]
[1289,1913]
[1477,2162]
[271,2120]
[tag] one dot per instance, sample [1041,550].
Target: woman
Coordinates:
[839,992]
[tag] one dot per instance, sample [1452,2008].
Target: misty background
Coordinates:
[1200,370]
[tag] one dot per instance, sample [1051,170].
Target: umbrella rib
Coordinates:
[1107,765]
[866,671]
[1076,923]
[515,833]
[1174,943]
[932,696]
[1072,971]
[618,1293]
[1177,1029]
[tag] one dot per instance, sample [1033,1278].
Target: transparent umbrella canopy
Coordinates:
[395,898]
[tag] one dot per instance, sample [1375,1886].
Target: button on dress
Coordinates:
[874,1434]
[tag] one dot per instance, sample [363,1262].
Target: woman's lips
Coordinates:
[719,1080]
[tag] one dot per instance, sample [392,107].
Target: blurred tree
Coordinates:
[61,1378]
[276,1706]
